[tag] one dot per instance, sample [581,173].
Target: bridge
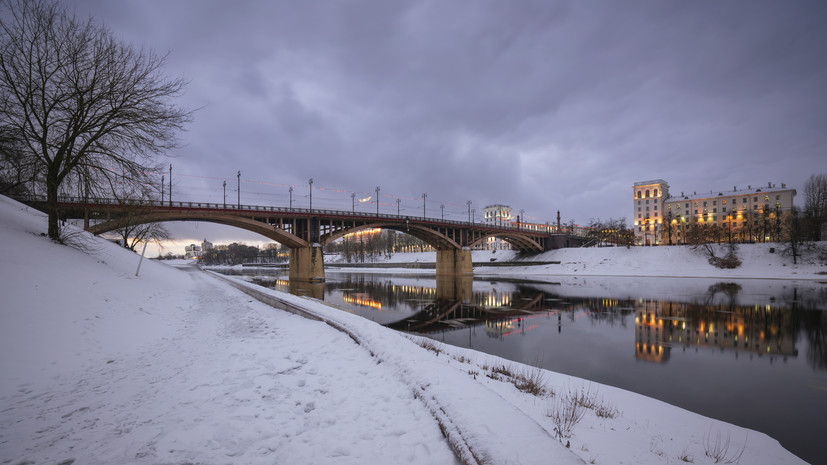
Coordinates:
[306,231]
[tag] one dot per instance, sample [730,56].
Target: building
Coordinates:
[739,215]
[206,246]
[497,215]
[648,209]
[192,251]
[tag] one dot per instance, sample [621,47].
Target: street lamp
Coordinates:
[398,203]
[522,218]
[162,190]
[225,193]
[170,184]
[473,213]
[311,194]
[377,200]
[424,196]
[291,196]
[353,201]
[469,210]
[442,215]
[239,190]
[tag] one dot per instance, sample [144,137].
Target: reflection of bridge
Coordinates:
[306,231]
[453,314]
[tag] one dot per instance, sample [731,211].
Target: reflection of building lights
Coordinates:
[363,301]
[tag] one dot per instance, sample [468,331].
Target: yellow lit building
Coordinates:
[751,214]
[648,201]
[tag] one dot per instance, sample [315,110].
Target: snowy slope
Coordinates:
[176,366]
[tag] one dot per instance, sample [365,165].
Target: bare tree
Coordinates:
[815,205]
[78,99]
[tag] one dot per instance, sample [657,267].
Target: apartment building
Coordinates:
[751,214]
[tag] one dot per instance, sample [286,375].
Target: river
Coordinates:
[749,352]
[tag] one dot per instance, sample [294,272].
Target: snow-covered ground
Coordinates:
[670,261]
[178,366]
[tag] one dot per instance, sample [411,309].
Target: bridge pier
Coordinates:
[454,262]
[307,263]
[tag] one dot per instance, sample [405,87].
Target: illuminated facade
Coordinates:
[751,214]
[192,251]
[648,208]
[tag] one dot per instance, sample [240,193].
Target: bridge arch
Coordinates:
[520,242]
[438,240]
[271,232]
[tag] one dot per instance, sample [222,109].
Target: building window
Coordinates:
[724,201]
[656,192]
[744,200]
[755,199]
[656,207]
[714,210]
[647,193]
[723,209]
[755,207]
[704,204]
[686,206]
[777,197]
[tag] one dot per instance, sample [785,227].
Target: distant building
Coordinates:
[192,251]
[497,215]
[206,246]
[751,214]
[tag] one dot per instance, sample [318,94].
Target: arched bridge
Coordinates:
[306,231]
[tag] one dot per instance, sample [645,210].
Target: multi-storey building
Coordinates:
[751,214]
[497,215]
[648,200]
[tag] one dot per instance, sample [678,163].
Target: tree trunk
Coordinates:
[52,208]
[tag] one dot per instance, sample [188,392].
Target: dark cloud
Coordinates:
[541,105]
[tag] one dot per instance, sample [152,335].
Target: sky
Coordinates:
[542,106]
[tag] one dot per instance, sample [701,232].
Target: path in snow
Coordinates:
[259,386]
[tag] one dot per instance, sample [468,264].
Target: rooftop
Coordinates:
[770,187]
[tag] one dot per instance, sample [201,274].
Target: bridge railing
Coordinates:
[96,201]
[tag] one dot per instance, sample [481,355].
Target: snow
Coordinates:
[178,365]
[666,261]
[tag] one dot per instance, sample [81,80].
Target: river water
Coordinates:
[748,352]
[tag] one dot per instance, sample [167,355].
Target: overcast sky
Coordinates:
[541,105]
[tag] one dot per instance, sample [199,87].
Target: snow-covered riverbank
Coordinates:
[176,366]
[767,261]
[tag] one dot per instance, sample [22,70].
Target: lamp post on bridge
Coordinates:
[162,190]
[522,219]
[311,195]
[377,200]
[398,203]
[225,193]
[469,210]
[353,202]
[473,215]
[239,189]
[424,196]
[170,184]
[442,214]
[291,196]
